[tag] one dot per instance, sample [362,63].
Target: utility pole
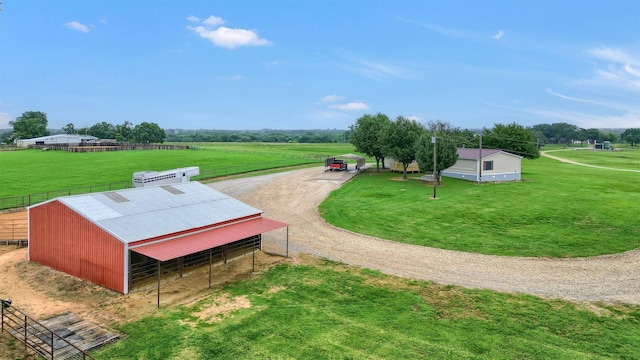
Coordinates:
[435,166]
[480,160]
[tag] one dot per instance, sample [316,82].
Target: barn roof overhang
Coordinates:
[191,244]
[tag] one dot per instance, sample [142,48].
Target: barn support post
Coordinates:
[130,271]
[158,284]
[180,265]
[210,261]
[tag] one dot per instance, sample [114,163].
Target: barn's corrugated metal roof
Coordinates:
[70,136]
[142,213]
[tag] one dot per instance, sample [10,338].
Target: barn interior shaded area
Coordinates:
[146,271]
[143,270]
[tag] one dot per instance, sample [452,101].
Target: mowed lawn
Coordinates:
[33,171]
[627,158]
[334,311]
[559,210]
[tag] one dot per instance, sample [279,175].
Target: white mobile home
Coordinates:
[486,165]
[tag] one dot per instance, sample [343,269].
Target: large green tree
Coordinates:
[559,132]
[30,124]
[367,136]
[631,136]
[103,130]
[446,151]
[592,134]
[69,129]
[148,133]
[124,132]
[512,138]
[400,141]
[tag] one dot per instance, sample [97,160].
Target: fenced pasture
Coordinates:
[31,176]
[558,210]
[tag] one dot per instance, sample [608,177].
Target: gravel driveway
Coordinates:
[293,197]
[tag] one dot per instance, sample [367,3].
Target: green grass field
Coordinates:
[33,171]
[333,311]
[561,210]
[628,158]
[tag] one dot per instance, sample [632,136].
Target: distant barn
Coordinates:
[110,238]
[60,139]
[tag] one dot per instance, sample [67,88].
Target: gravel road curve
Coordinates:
[293,197]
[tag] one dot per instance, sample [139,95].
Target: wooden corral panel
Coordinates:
[65,241]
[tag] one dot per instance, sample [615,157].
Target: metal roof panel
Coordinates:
[153,211]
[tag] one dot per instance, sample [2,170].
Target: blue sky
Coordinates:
[320,64]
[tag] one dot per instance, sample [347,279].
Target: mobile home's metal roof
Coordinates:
[474,154]
[142,213]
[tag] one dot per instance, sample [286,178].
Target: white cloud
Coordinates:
[566,97]
[589,120]
[620,70]
[614,55]
[498,35]
[635,72]
[350,106]
[226,37]
[375,69]
[331,98]
[213,21]
[613,86]
[624,117]
[414,118]
[450,32]
[74,25]
[192,18]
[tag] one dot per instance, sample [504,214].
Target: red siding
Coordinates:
[65,241]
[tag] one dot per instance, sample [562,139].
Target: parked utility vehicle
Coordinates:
[338,165]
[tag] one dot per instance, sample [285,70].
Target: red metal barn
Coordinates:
[107,237]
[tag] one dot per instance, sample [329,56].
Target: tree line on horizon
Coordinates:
[33,124]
